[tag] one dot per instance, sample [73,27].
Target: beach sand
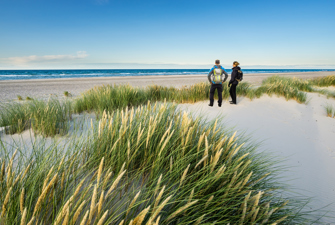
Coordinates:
[300,134]
[44,88]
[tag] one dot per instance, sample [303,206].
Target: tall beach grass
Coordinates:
[111,97]
[147,165]
[324,81]
[45,118]
[50,118]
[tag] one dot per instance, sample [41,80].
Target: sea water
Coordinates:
[52,74]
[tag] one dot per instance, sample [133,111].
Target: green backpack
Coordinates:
[217,75]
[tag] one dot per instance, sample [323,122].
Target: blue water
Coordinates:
[52,74]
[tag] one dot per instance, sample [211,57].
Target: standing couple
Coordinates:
[215,77]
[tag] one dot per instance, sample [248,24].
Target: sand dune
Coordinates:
[301,134]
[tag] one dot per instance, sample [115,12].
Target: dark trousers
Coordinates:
[211,93]
[232,92]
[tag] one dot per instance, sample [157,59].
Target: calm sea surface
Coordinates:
[52,74]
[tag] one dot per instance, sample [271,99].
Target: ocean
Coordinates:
[52,74]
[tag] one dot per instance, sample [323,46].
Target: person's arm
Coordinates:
[233,77]
[225,75]
[209,75]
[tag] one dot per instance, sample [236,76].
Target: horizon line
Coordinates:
[163,69]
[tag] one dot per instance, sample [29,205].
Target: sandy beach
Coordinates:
[300,135]
[44,88]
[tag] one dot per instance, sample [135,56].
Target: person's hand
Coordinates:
[229,84]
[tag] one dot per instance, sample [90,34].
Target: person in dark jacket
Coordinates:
[233,82]
[215,77]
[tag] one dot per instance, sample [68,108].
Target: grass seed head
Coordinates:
[159,197]
[109,174]
[42,196]
[208,201]
[22,200]
[159,208]
[184,175]
[115,183]
[78,188]
[83,221]
[93,200]
[3,167]
[102,219]
[4,205]
[67,217]
[133,202]
[26,171]
[199,220]
[158,183]
[203,159]
[47,178]
[100,170]
[181,209]
[78,211]
[23,218]
[139,219]
[31,221]
[101,200]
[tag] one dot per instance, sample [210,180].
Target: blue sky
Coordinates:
[77,34]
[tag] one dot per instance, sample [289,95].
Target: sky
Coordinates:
[135,34]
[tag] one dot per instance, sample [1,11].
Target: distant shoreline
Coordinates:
[44,88]
[109,73]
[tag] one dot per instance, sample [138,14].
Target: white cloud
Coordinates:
[46,58]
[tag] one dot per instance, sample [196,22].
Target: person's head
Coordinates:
[217,62]
[235,63]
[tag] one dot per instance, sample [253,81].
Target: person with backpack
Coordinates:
[215,77]
[236,76]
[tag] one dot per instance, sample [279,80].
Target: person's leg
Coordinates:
[231,92]
[220,88]
[234,93]
[211,95]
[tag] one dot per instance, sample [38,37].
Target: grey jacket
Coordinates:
[211,74]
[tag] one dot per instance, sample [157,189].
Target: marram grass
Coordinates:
[45,118]
[147,165]
[324,81]
[330,110]
[121,96]
[50,119]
